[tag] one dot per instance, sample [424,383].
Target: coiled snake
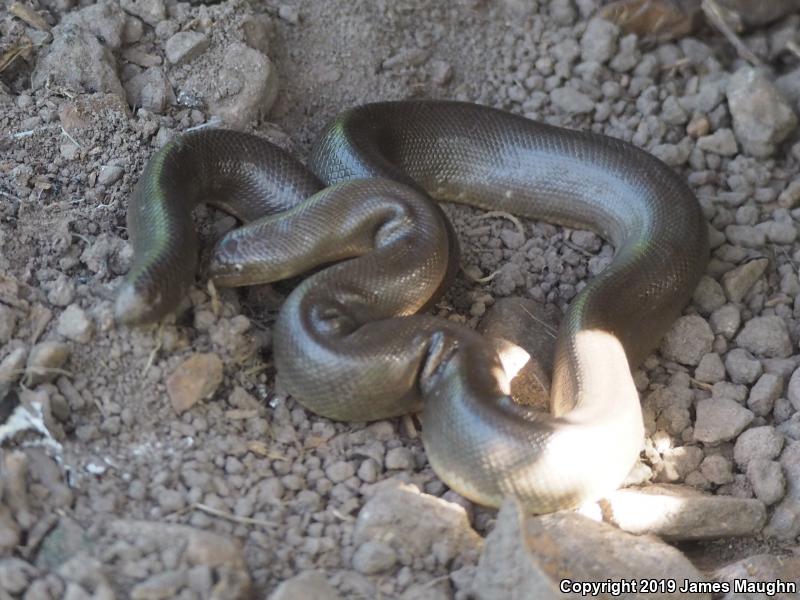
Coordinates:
[350,342]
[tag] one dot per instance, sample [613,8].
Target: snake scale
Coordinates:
[351,341]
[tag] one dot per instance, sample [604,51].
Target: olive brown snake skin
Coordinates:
[350,342]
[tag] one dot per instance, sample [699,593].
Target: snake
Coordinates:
[356,341]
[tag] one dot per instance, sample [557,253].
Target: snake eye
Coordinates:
[229,246]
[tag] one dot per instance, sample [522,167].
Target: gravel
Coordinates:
[185,425]
[766,336]
[761,116]
[720,420]
[689,339]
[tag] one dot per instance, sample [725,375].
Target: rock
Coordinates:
[790,196]
[185,45]
[720,420]
[189,547]
[790,461]
[710,369]
[10,533]
[759,442]
[737,282]
[789,83]
[16,575]
[761,568]
[571,100]
[766,477]
[160,586]
[721,142]
[717,469]
[441,72]
[782,367]
[521,552]
[677,512]
[511,238]
[754,14]
[689,339]
[742,367]
[8,323]
[764,393]
[563,12]
[509,566]
[104,19]
[61,292]
[628,55]
[151,12]
[307,585]
[150,90]
[793,391]
[789,421]
[374,557]
[673,155]
[134,30]
[412,523]
[672,112]
[289,13]
[406,57]
[779,232]
[677,463]
[725,320]
[196,378]
[708,295]
[106,251]
[110,174]
[435,589]
[44,362]
[745,236]
[784,524]
[246,85]
[766,336]
[761,116]
[698,126]
[340,471]
[400,458]
[599,41]
[70,151]
[78,114]
[258,31]
[74,325]
[77,61]
[11,368]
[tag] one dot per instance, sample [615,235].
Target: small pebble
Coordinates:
[45,361]
[74,325]
[195,378]
[742,367]
[689,339]
[185,45]
[374,557]
[400,458]
[737,282]
[720,420]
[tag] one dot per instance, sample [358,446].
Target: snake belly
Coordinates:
[349,342]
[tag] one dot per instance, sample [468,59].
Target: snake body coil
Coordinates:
[349,343]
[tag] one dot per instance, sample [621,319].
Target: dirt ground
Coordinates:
[165,462]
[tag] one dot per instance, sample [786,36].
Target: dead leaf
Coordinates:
[657,20]
[28,15]
[19,49]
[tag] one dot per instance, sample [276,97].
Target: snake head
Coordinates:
[226,267]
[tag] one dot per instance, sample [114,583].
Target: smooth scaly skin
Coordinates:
[347,342]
